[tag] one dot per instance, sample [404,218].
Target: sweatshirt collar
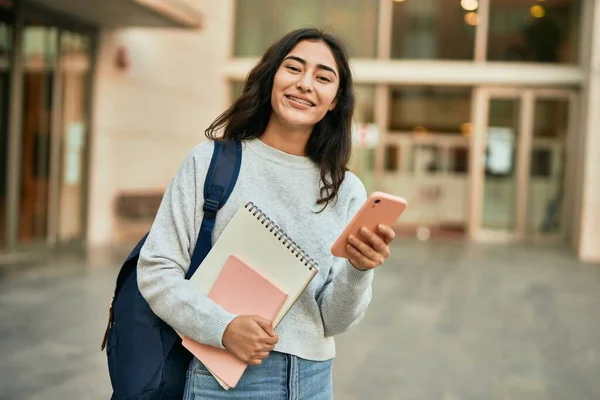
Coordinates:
[262,149]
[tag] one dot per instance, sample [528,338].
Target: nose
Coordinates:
[304,83]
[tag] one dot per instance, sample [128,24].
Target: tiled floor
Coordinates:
[449,321]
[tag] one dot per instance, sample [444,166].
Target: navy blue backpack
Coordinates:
[146,360]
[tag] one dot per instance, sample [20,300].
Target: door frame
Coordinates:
[480,116]
[23,11]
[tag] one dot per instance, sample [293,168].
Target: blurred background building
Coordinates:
[482,114]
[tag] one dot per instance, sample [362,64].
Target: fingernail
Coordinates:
[351,238]
[364,230]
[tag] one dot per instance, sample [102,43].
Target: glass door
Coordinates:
[70,147]
[40,44]
[54,134]
[551,161]
[500,165]
[522,138]
[45,92]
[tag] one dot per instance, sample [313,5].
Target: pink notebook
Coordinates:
[240,290]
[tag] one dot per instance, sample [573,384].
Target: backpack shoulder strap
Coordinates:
[219,183]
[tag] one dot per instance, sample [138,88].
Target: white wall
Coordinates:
[148,117]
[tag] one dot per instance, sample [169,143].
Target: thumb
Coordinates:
[265,324]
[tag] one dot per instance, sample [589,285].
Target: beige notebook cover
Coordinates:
[254,238]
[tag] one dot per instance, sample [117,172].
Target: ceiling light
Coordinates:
[469,5]
[472,18]
[537,11]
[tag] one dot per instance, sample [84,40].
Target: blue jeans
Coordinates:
[279,377]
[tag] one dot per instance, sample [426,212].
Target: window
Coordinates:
[534,31]
[541,163]
[364,110]
[432,29]
[259,23]
[548,158]
[391,157]
[459,160]
[236,90]
[362,161]
[425,109]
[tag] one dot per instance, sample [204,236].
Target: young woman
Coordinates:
[294,118]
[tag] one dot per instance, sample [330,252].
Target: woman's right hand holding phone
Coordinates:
[371,249]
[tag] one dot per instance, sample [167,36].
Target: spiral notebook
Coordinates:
[253,237]
[241,290]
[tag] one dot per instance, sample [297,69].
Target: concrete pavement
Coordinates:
[449,320]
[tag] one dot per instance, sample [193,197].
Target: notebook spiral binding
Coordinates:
[281,236]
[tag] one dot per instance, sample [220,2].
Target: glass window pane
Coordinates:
[535,31]
[362,162]
[259,23]
[433,29]
[364,111]
[75,72]
[39,45]
[546,190]
[459,160]
[499,199]
[445,110]
[426,156]
[235,90]
[391,157]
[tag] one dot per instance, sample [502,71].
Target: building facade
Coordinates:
[482,113]
[481,108]
[49,77]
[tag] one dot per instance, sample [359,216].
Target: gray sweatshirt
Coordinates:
[286,188]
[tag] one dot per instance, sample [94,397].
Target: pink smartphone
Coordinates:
[380,208]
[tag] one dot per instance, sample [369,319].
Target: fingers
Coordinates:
[364,250]
[261,356]
[373,250]
[271,340]
[268,347]
[388,233]
[266,325]
[376,241]
[258,358]
[257,352]
[360,261]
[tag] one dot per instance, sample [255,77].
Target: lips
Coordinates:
[298,100]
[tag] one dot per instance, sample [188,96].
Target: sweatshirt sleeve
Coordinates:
[347,291]
[165,258]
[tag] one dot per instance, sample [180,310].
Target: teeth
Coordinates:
[300,101]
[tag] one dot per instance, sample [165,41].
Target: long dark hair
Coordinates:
[329,145]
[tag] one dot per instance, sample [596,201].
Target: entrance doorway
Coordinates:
[46,189]
[522,144]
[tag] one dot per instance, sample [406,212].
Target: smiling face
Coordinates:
[305,85]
